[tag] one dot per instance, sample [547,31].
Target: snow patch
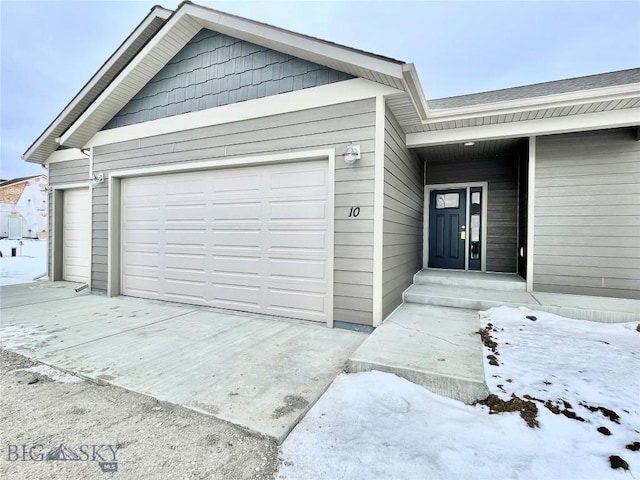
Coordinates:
[53,373]
[31,260]
[14,337]
[378,426]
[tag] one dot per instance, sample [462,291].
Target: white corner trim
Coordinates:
[544,126]
[616,92]
[66,155]
[531,217]
[331,156]
[332,94]
[378,213]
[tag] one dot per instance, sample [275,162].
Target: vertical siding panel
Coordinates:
[587,215]
[402,218]
[332,127]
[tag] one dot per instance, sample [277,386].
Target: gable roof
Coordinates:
[11,190]
[622,77]
[46,143]
[184,24]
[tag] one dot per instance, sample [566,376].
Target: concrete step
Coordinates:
[509,282]
[580,307]
[436,347]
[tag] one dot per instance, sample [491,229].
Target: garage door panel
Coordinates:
[188,212]
[252,239]
[175,237]
[308,240]
[236,184]
[236,295]
[148,286]
[180,290]
[236,212]
[248,266]
[185,263]
[282,268]
[142,213]
[294,303]
[76,234]
[141,259]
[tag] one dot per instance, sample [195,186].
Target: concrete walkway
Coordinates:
[432,339]
[257,372]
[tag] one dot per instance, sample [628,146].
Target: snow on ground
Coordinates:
[378,426]
[31,260]
[53,373]
[15,337]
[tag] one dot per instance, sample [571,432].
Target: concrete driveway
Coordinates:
[258,372]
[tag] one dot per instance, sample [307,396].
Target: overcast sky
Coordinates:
[51,48]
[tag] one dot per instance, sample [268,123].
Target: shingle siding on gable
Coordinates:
[214,69]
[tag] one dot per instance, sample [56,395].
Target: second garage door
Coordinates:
[254,239]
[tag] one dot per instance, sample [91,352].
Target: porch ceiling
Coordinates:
[459,152]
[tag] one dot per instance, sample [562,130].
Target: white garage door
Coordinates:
[76,234]
[253,239]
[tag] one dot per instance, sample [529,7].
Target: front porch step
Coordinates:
[580,307]
[435,347]
[465,297]
[509,282]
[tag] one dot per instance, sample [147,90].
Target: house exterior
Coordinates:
[213,157]
[24,208]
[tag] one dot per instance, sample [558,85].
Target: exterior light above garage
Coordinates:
[352,154]
[469,144]
[97,179]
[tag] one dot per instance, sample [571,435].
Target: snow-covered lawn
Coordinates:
[31,260]
[377,426]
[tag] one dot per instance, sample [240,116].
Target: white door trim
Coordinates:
[531,214]
[114,227]
[485,200]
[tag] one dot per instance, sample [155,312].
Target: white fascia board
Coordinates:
[66,155]
[288,41]
[155,13]
[544,126]
[617,92]
[414,88]
[332,94]
[178,17]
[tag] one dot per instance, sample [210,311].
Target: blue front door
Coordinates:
[447,228]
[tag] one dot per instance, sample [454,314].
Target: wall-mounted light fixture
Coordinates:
[469,144]
[97,179]
[352,154]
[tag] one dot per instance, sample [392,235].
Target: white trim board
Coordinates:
[114,223]
[378,212]
[603,94]
[531,217]
[485,201]
[332,94]
[544,126]
[66,155]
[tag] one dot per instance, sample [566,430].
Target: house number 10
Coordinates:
[354,212]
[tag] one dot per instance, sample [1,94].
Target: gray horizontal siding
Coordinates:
[214,70]
[72,171]
[327,127]
[502,207]
[402,215]
[587,214]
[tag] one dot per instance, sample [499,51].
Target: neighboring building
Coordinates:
[217,145]
[24,208]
